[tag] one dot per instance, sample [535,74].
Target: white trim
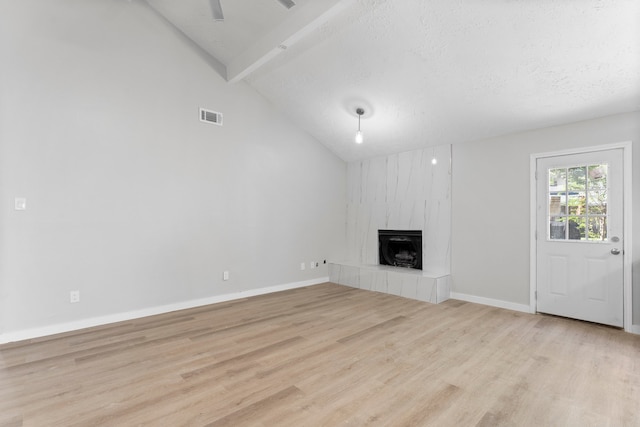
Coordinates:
[491,302]
[151,311]
[627,156]
[533,267]
[582,150]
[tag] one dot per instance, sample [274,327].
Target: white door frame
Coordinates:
[626,223]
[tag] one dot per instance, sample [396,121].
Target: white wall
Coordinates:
[130,199]
[490,244]
[402,191]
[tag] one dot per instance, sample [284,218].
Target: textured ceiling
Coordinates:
[426,72]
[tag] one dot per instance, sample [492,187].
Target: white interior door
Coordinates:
[579,246]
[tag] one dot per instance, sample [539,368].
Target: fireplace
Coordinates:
[400,248]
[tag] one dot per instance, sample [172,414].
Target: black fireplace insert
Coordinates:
[400,248]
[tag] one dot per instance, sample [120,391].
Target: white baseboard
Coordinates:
[492,302]
[151,311]
[633,329]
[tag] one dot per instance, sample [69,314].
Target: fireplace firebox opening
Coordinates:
[400,248]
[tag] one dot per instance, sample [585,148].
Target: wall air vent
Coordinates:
[287,3]
[212,117]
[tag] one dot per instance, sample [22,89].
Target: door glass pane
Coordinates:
[597,202]
[557,229]
[576,227]
[598,176]
[577,178]
[577,203]
[556,207]
[557,180]
[598,228]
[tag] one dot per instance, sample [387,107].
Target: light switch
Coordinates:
[20,204]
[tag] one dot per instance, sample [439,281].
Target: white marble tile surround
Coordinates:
[402,191]
[392,280]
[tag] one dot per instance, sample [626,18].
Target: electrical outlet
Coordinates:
[225,275]
[74,296]
[312,264]
[317,264]
[302,266]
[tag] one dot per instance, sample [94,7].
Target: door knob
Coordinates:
[615,251]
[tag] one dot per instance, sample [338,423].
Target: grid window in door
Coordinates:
[577,208]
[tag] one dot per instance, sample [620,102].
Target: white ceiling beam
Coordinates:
[301,21]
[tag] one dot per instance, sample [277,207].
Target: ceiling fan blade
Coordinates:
[287,3]
[216,9]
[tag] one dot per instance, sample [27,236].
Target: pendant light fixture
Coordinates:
[359,137]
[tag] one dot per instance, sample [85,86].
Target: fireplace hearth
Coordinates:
[400,248]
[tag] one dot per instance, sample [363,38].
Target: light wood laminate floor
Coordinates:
[327,355]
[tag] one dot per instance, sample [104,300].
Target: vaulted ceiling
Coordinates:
[426,72]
